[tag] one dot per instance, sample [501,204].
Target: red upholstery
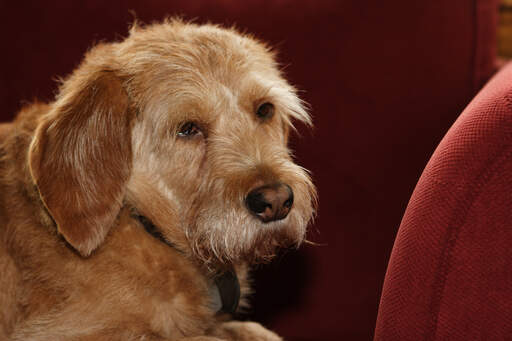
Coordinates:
[385,80]
[450,273]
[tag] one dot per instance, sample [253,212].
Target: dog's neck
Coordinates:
[225,290]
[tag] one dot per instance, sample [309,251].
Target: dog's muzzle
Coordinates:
[270,202]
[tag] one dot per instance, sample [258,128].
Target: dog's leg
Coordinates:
[244,331]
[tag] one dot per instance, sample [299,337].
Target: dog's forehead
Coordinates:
[208,67]
[204,50]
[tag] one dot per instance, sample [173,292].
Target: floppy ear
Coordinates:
[80,157]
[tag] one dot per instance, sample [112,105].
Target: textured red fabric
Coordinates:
[450,273]
[385,80]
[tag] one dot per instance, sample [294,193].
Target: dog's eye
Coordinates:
[265,110]
[189,129]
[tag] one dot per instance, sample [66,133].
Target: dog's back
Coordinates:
[14,138]
[9,277]
[4,130]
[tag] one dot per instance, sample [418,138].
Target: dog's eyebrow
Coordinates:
[295,107]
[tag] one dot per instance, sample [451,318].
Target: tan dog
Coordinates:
[132,206]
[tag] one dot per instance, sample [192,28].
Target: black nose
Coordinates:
[270,202]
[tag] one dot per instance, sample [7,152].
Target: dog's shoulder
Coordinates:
[5,128]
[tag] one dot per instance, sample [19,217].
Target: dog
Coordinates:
[134,204]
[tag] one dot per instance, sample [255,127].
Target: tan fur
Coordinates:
[75,262]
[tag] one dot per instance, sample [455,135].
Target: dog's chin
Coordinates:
[223,241]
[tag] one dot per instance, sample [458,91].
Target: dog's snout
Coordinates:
[270,202]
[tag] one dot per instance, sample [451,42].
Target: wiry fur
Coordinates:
[75,262]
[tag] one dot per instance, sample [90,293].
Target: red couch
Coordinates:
[385,81]
[449,277]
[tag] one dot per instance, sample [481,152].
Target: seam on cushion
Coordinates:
[507,101]
[446,255]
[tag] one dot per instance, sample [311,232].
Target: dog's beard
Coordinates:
[223,232]
[222,235]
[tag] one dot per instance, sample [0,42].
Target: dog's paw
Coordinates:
[245,331]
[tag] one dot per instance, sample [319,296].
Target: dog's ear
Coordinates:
[80,157]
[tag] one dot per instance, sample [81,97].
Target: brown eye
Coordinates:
[265,110]
[189,129]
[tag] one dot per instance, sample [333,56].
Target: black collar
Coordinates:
[226,283]
[153,230]
[229,290]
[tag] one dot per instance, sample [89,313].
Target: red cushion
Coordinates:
[450,273]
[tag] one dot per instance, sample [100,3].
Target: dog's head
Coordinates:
[187,123]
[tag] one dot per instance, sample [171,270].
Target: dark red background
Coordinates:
[385,80]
